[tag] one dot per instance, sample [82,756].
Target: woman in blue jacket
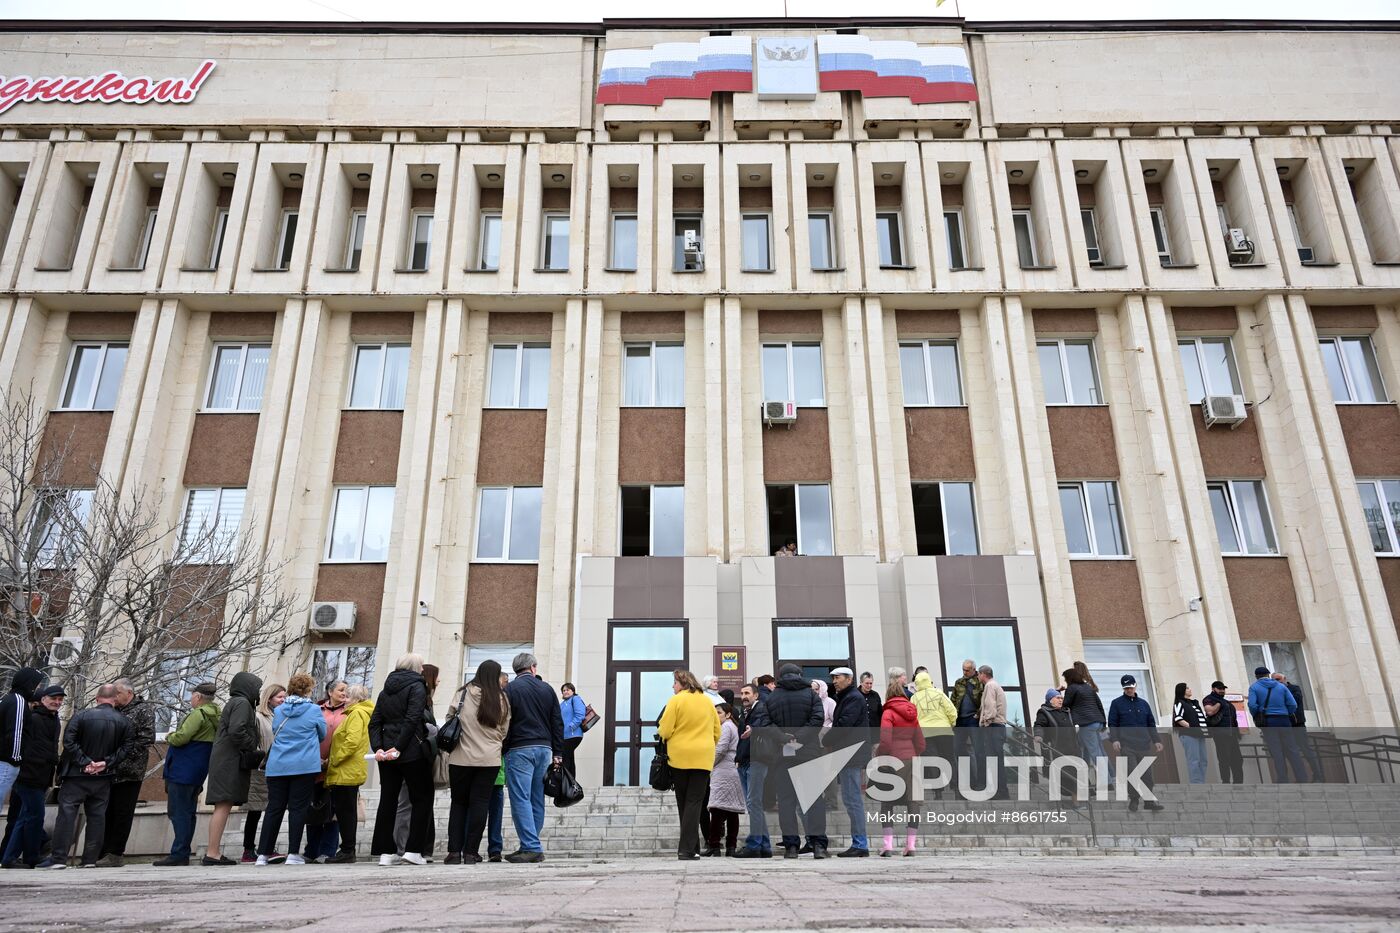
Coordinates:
[292,765]
[573,709]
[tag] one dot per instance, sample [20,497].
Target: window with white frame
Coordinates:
[237,376]
[1069,372]
[1108,661]
[1241,512]
[800,513]
[756,245]
[380,379]
[216,237]
[1208,365]
[930,372]
[502,653]
[355,240]
[889,236]
[1024,227]
[957,238]
[519,376]
[56,525]
[286,240]
[554,248]
[1281,657]
[945,518]
[819,241]
[1089,219]
[175,678]
[210,523]
[1352,369]
[508,524]
[623,257]
[148,232]
[353,664]
[652,521]
[653,375]
[421,246]
[1093,517]
[1380,504]
[94,376]
[1160,234]
[687,228]
[792,372]
[361,519]
[488,254]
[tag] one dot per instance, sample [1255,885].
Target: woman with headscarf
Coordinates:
[272,697]
[230,760]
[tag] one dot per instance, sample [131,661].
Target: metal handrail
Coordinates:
[1027,744]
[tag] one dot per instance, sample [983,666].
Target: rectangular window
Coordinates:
[489,254]
[624,243]
[687,248]
[1282,657]
[756,244]
[502,654]
[819,242]
[176,676]
[1380,504]
[817,648]
[995,644]
[421,247]
[1025,239]
[216,239]
[148,232]
[801,515]
[1160,236]
[1090,220]
[286,239]
[355,240]
[1208,364]
[1068,372]
[1093,518]
[653,521]
[56,527]
[1352,369]
[1241,514]
[792,372]
[353,664]
[945,520]
[519,376]
[210,523]
[929,371]
[361,519]
[1110,660]
[508,524]
[888,232]
[94,376]
[554,253]
[380,379]
[1305,252]
[957,239]
[653,375]
[237,377]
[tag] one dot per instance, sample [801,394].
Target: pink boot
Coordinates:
[888,848]
[909,843]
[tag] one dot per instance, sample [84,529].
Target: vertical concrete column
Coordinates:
[22,326]
[697,532]
[748,532]
[713,411]
[886,419]
[148,340]
[854,498]
[600,536]
[161,419]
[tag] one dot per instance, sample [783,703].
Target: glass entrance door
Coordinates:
[994,643]
[642,659]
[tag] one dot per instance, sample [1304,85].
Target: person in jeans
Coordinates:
[293,763]
[1300,722]
[762,751]
[36,770]
[398,734]
[535,739]
[14,713]
[126,785]
[1273,708]
[796,711]
[1133,728]
[186,768]
[991,729]
[851,724]
[967,700]
[690,727]
[1224,729]
[1190,719]
[346,770]
[748,695]
[95,742]
[473,764]
[1087,712]
[573,710]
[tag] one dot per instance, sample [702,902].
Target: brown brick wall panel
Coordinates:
[1191,321]
[386,325]
[649,588]
[1266,606]
[221,450]
[810,587]
[79,439]
[1347,318]
[1081,439]
[361,584]
[1229,453]
[1108,596]
[520,325]
[512,447]
[1390,576]
[1083,321]
[800,453]
[930,323]
[1372,434]
[501,603]
[652,325]
[775,323]
[242,325]
[972,587]
[101,325]
[367,449]
[651,445]
[940,443]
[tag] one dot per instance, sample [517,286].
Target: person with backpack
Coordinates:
[1225,733]
[1273,707]
[1190,720]
[473,763]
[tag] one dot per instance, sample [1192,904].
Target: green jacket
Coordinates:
[960,690]
[199,726]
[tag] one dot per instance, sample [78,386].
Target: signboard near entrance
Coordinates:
[731,666]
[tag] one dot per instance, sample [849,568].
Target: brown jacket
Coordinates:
[993,712]
[479,747]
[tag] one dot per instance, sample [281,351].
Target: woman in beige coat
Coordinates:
[472,766]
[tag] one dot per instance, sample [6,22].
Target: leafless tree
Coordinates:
[96,583]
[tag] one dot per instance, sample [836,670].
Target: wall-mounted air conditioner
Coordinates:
[1225,410]
[332,617]
[779,413]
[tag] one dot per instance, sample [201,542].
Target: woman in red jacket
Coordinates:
[901,738]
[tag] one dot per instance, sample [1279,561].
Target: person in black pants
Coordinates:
[293,763]
[484,713]
[796,711]
[126,783]
[398,736]
[1224,730]
[346,770]
[690,728]
[95,742]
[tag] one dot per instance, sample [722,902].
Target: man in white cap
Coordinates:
[849,724]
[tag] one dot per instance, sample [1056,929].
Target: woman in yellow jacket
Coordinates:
[937,716]
[690,728]
[345,770]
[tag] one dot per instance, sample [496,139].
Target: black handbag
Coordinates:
[450,732]
[561,784]
[251,760]
[660,777]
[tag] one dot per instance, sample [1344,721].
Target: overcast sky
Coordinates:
[593,10]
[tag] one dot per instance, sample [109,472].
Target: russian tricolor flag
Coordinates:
[934,74]
[676,69]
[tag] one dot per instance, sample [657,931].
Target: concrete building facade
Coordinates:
[492,361]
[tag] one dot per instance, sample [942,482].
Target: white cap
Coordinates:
[843,670]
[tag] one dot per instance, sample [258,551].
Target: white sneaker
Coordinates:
[262,860]
[387,860]
[295,860]
[413,858]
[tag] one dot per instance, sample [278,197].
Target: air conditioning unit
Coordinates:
[64,652]
[694,255]
[1241,247]
[1305,254]
[779,413]
[332,617]
[1228,410]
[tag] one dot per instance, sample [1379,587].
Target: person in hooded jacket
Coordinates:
[293,763]
[14,712]
[937,717]
[36,771]
[1054,735]
[273,695]
[186,767]
[398,735]
[237,737]
[346,770]
[796,710]
[902,738]
[828,704]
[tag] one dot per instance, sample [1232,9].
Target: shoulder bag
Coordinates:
[450,732]
[660,777]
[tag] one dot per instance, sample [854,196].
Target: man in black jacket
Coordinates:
[24,829]
[1224,729]
[873,704]
[95,742]
[795,709]
[129,775]
[14,710]
[849,725]
[1300,722]
[536,738]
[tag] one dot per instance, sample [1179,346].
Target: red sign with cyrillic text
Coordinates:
[110,87]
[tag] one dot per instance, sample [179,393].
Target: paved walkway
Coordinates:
[1062,892]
